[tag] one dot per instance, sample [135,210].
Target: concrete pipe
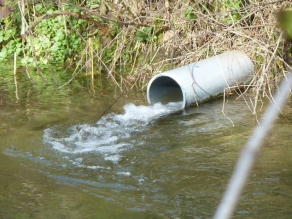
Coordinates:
[201,80]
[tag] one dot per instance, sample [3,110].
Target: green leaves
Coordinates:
[285,22]
[52,41]
[6,35]
[3,53]
[40,8]
[10,44]
[232,7]
[145,34]
[1,36]
[189,14]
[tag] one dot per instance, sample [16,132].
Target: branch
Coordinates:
[88,17]
[67,13]
[125,23]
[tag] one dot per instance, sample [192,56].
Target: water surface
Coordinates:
[62,156]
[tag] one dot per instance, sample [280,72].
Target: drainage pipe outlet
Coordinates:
[201,80]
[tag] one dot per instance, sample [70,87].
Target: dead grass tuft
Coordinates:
[183,32]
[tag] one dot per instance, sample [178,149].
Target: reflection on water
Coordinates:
[157,161]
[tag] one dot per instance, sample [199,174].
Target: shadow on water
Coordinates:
[59,161]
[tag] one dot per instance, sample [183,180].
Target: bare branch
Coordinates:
[66,13]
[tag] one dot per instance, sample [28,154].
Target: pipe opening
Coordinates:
[164,90]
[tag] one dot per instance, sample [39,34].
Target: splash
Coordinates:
[110,135]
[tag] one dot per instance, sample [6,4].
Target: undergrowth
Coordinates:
[129,40]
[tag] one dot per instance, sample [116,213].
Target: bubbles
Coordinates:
[110,135]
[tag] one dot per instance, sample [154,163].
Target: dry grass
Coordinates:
[188,32]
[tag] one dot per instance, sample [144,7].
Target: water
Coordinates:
[110,135]
[59,159]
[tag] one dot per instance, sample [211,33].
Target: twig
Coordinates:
[125,23]
[23,32]
[110,106]
[67,13]
[15,79]
[248,155]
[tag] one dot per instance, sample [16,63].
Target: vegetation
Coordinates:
[130,40]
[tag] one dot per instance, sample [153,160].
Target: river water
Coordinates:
[64,156]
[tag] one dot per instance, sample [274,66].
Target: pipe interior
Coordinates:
[164,90]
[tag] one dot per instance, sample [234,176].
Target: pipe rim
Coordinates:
[173,81]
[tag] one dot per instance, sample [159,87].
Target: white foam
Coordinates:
[110,134]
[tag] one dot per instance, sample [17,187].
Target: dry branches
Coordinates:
[180,32]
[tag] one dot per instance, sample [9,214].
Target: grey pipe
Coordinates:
[201,80]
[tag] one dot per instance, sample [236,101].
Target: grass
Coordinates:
[189,32]
[198,31]
[133,40]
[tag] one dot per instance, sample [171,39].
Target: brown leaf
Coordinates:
[168,35]
[103,30]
